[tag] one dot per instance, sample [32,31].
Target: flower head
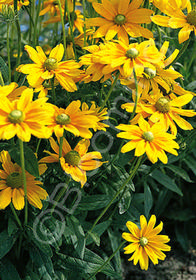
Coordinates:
[12,91]
[152,140]
[46,68]
[120,18]
[75,162]
[11,185]
[145,242]
[23,117]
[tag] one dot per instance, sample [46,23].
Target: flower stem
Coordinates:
[63,26]
[15,215]
[8,52]
[22,161]
[83,5]
[183,49]
[1,80]
[71,28]
[36,21]
[108,260]
[116,195]
[60,147]
[53,90]
[61,193]
[110,91]
[38,144]
[136,95]
[18,32]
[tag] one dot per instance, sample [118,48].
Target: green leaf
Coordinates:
[31,164]
[162,201]
[88,265]
[78,236]
[125,202]
[4,70]
[42,262]
[8,271]
[182,237]
[94,202]
[97,232]
[115,240]
[148,199]
[180,172]
[166,181]
[6,242]
[191,163]
[12,226]
[95,237]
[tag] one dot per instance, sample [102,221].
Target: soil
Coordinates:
[177,266]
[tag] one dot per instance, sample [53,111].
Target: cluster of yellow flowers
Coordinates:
[157,100]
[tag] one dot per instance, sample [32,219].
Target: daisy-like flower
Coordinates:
[51,6]
[46,68]
[127,57]
[152,140]
[12,91]
[72,119]
[121,18]
[11,2]
[11,185]
[146,242]
[96,111]
[161,108]
[75,162]
[23,117]
[179,15]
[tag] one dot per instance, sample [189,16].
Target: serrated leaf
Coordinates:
[6,242]
[31,164]
[166,181]
[8,271]
[148,199]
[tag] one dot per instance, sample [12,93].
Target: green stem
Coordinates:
[8,52]
[38,144]
[108,260]
[60,194]
[182,50]
[63,26]
[1,80]
[22,161]
[71,28]
[60,147]
[136,95]
[110,91]
[53,90]
[18,32]
[15,215]
[115,196]
[36,21]
[84,9]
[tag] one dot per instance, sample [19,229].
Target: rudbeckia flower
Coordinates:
[12,91]
[51,6]
[120,18]
[146,242]
[75,162]
[11,185]
[152,140]
[160,108]
[23,117]
[11,2]
[72,119]
[179,14]
[46,68]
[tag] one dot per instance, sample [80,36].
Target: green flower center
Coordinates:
[143,241]
[73,158]
[150,72]
[63,119]
[148,136]
[132,53]
[191,17]
[162,105]
[51,64]
[14,180]
[120,19]
[16,116]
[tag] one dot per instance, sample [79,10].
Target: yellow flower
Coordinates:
[179,15]
[11,185]
[51,6]
[145,242]
[160,108]
[46,68]
[126,57]
[11,2]
[75,162]
[96,111]
[12,91]
[45,87]
[120,18]
[152,140]
[72,119]
[23,117]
